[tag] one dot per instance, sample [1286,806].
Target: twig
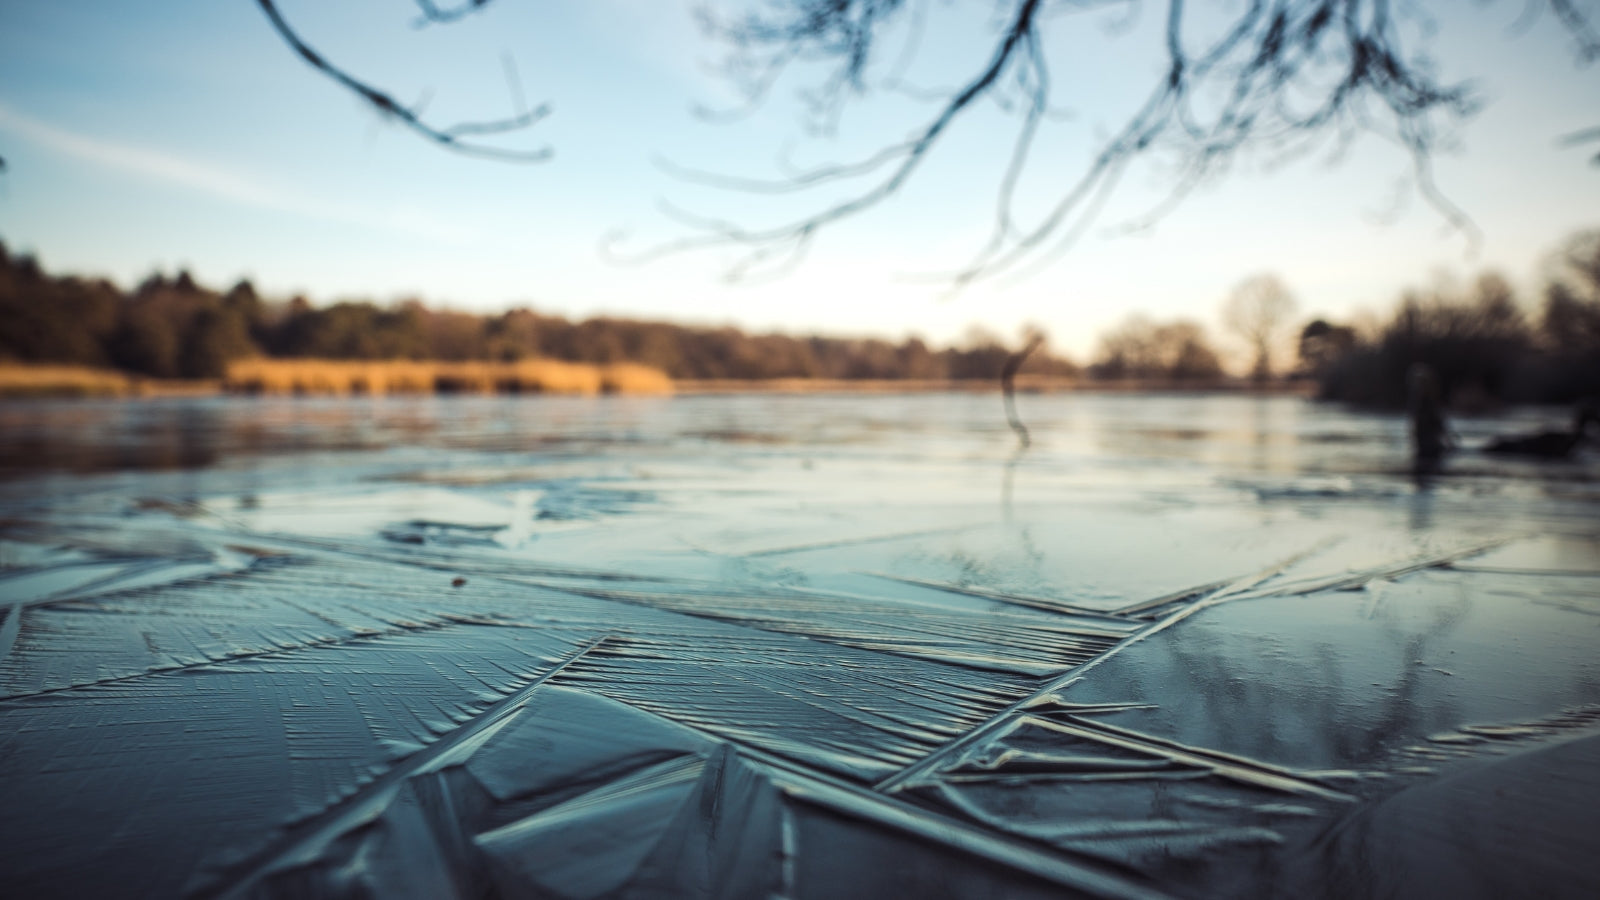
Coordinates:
[449,137]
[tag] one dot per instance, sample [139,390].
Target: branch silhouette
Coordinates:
[452,137]
[433,13]
[1283,76]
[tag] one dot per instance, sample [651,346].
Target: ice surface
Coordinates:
[786,646]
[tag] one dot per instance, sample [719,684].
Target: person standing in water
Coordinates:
[1430,435]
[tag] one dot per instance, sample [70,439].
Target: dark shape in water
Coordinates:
[1549,444]
[1430,434]
[1008,389]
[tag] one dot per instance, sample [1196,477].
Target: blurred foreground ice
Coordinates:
[788,646]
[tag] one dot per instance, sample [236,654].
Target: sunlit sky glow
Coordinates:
[185,134]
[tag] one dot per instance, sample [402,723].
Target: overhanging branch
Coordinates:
[451,137]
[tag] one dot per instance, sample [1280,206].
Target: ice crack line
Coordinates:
[318,644]
[990,725]
[10,624]
[804,784]
[299,842]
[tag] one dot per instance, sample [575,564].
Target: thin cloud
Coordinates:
[218,182]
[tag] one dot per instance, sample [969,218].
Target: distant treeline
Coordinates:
[1481,341]
[175,328]
[1146,350]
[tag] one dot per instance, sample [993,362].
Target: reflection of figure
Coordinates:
[1008,377]
[1008,388]
[1430,436]
[1549,444]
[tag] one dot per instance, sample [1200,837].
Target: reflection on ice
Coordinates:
[354,513]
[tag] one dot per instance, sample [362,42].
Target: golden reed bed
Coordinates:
[530,376]
[63,381]
[342,377]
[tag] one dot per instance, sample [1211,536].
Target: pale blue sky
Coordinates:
[185,134]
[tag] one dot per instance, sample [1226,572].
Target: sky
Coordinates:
[185,134]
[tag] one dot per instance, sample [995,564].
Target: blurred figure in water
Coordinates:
[1550,444]
[1430,435]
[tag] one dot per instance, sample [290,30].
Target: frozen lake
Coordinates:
[790,645]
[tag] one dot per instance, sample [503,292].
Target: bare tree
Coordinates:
[1284,76]
[1571,321]
[1141,348]
[1575,268]
[1322,345]
[1257,311]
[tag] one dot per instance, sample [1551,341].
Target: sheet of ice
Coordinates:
[787,646]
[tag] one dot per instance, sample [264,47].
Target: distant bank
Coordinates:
[319,377]
[177,329]
[1025,384]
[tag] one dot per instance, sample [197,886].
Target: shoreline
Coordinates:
[1024,385]
[354,378]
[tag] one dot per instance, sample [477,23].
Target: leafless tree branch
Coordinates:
[434,14]
[450,137]
[1284,77]
[1580,26]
